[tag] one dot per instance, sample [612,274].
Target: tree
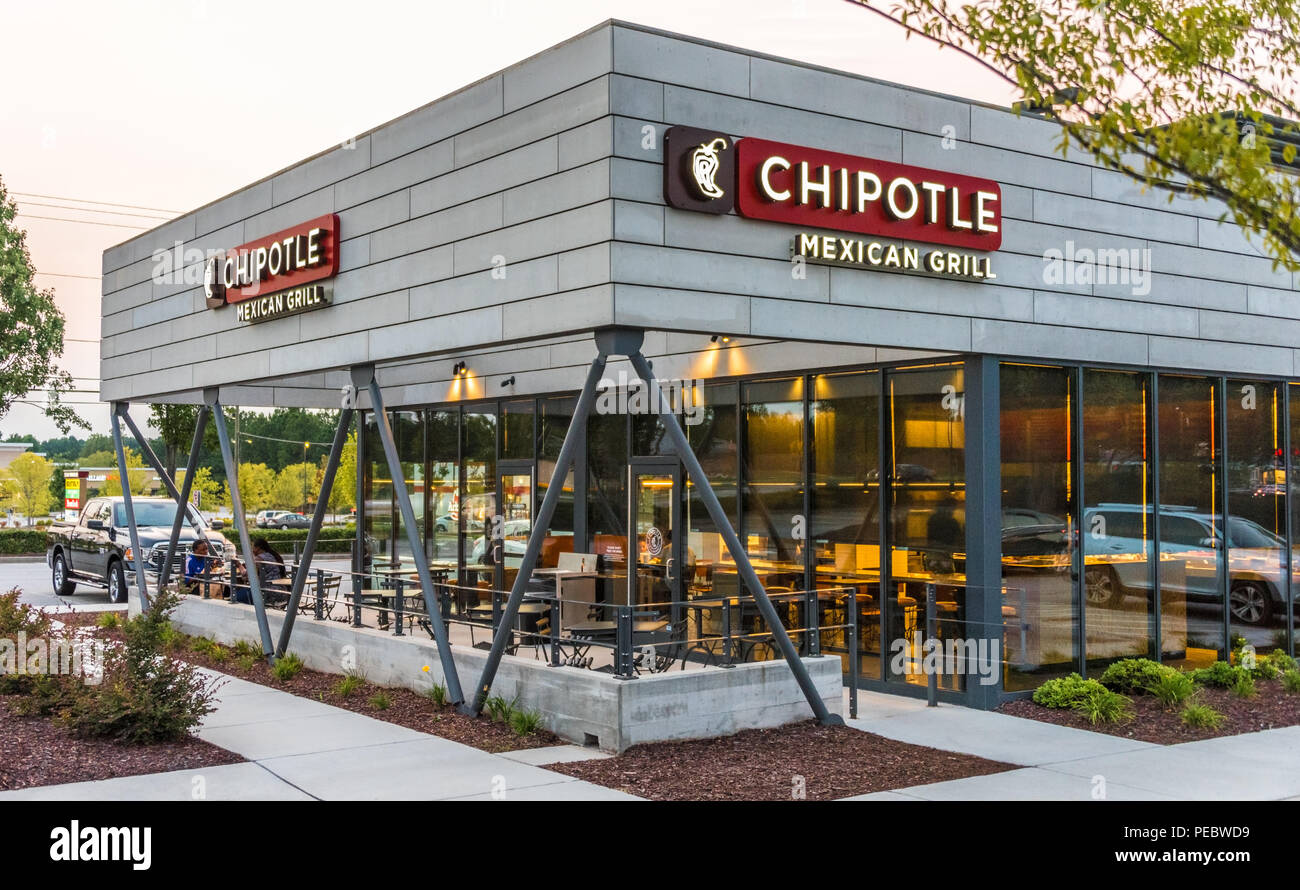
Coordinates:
[96,442]
[343,496]
[296,486]
[135,471]
[212,494]
[256,483]
[31,329]
[1195,97]
[175,426]
[29,478]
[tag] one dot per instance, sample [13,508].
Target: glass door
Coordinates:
[654,513]
[515,487]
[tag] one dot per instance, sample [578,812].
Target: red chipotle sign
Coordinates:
[277,274]
[810,187]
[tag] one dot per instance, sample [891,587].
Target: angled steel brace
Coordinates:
[119,409]
[364,375]
[537,534]
[212,398]
[313,533]
[672,425]
[181,497]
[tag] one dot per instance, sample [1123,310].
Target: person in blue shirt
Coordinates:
[199,563]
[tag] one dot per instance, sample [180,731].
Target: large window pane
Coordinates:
[1191,532]
[478,495]
[1256,513]
[713,439]
[553,425]
[377,485]
[607,495]
[408,433]
[927,468]
[1118,538]
[845,523]
[517,435]
[444,483]
[1040,614]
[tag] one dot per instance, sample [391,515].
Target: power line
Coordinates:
[86,222]
[94,210]
[88,201]
[69,274]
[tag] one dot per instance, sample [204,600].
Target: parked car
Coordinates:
[288,519]
[262,520]
[96,549]
[1116,565]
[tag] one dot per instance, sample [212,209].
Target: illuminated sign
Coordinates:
[812,188]
[889,256]
[278,274]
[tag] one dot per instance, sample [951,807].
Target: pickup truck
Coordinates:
[96,549]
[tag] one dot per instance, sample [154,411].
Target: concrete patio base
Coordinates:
[583,706]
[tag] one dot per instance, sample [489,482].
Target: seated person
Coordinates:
[199,563]
[270,564]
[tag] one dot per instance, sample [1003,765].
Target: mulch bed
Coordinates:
[37,751]
[802,760]
[1273,707]
[406,707]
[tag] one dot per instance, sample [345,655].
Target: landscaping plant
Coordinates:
[1132,675]
[1172,688]
[348,684]
[525,722]
[1220,675]
[1200,716]
[1291,681]
[438,693]
[380,701]
[286,667]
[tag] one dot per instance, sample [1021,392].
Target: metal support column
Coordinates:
[313,533]
[538,532]
[365,375]
[212,399]
[118,409]
[672,426]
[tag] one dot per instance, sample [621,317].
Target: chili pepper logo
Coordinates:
[704,167]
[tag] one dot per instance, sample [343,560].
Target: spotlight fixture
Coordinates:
[458,369]
[509,381]
[719,338]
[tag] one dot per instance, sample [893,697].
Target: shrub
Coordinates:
[348,684]
[108,620]
[246,662]
[1220,675]
[22,541]
[498,708]
[248,647]
[1173,688]
[1283,662]
[438,693]
[1102,705]
[1062,692]
[1291,681]
[525,722]
[286,667]
[144,696]
[16,617]
[380,701]
[1244,687]
[1201,717]
[1134,675]
[172,639]
[204,645]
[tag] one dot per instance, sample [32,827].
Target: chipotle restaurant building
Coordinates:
[913,347]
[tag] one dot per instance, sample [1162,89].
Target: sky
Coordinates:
[128,113]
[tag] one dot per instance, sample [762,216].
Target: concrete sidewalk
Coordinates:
[301,749]
[1062,763]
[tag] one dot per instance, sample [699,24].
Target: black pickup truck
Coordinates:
[96,549]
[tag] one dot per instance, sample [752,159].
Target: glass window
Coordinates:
[1118,538]
[444,483]
[845,523]
[1191,534]
[712,434]
[927,520]
[377,484]
[1040,615]
[607,495]
[478,503]
[517,436]
[408,433]
[556,414]
[1256,514]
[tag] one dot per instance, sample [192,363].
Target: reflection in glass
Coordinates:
[444,484]
[517,430]
[478,503]
[927,520]
[1190,532]
[607,496]
[713,439]
[845,523]
[773,500]
[1040,615]
[1118,538]
[1256,513]
[553,424]
[408,433]
[377,486]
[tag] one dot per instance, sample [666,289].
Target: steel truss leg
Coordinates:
[181,497]
[366,375]
[673,427]
[537,534]
[211,397]
[313,533]
[118,410]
